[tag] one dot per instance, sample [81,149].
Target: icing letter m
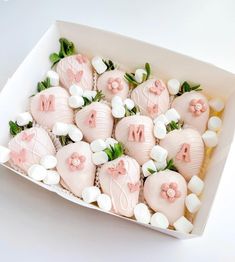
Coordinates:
[136,133]
[47,104]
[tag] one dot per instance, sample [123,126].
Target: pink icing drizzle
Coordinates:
[184,153]
[197,106]
[170,191]
[118,170]
[91,119]
[114,85]
[136,133]
[18,158]
[157,88]
[134,187]
[47,104]
[76,162]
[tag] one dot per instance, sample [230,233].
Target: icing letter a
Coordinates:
[184,153]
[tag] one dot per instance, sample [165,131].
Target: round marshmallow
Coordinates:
[118,111]
[4,154]
[116,101]
[196,185]
[104,202]
[89,94]
[98,145]
[98,64]
[54,78]
[99,158]
[214,123]
[183,225]
[129,103]
[149,165]
[37,172]
[192,203]
[210,138]
[90,194]
[52,178]
[216,104]
[23,119]
[60,129]
[161,118]
[173,86]
[139,75]
[158,153]
[75,133]
[160,165]
[75,90]
[142,213]
[159,130]
[75,101]
[48,161]
[110,141]
[172,115]
[159,220]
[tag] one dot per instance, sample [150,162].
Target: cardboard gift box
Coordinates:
[130,52]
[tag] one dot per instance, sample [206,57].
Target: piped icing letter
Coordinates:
[184,153]
[47,104]
[74,77]
[91,119]
[136,133]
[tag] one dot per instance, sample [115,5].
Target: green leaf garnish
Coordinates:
[16,129]
[186,87]
[170,165]
[131,112]
[110,65]
[151,171]
[98,97]
[173,125]
[67,48]
[148,70]
[65,140]
[43,84]
[114,151]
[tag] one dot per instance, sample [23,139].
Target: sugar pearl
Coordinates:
[75,90]
[37,172]
[148,165]
[173,86]
[104,202]
[158,153]
[98,145]
[159,220]
[98,64]
[23,119]
[52,178]
[192,203]
[142,213]
[54,78]
[48,161]
[196,185]
[183,225]
[99,158]
[4,154]
[139,74]
[90,194]
[216,104]
[214,123]
[210,138]
[75,101]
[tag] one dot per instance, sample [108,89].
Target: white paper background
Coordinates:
[36,225]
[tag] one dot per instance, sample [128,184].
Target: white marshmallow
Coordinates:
[192,203]
[89,94]
[99,158]
[129,103]
[90,194]
[75,133]
[98,64]
[116,101]
[158,153]
[161,118]
[214,123]
[54,78]
[52,178]
[196,185]
[139,74]
[4,154]
[75,90]
[48,161]
[98,145]
[173,86]
[104,202]
[183,225]
[216,104]
[210,138]
[159,130]
[142,213]
[118,111]
[148,165]
[110,141]
[159,220]
[172,115]
[160,165]
[75,101]
[24,118]
[37,172]
[60,129]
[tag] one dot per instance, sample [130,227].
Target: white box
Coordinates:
[132,53]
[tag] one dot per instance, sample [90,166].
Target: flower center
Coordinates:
[198,107]
[170,192]
[114,84]
[75,162]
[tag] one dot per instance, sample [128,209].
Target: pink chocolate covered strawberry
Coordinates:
[165,192]
[75,166]
[120,179]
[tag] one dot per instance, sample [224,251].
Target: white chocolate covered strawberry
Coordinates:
[136,133]
[120,179]
[29,146]
[75,166]
[51,106]
[165,192]
[186,148]
[112,83]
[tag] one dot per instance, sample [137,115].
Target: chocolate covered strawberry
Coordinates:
[165,192]
[75,166]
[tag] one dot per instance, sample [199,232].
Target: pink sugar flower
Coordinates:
[170,191]
[157,88]
[76,162]
[197,106]
[114,85]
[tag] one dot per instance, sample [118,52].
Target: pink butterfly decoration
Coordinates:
[74,77]
[118,170]
[134,187]
[18,157]
[27,137]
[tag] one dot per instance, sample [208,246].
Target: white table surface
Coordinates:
[36,225]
